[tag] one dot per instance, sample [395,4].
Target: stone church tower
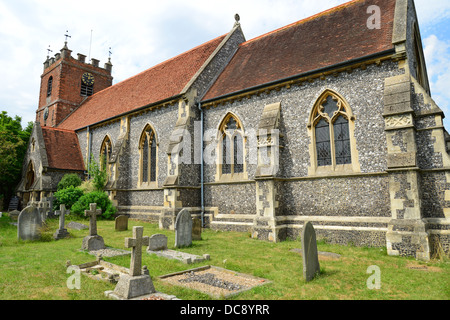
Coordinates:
[328,120]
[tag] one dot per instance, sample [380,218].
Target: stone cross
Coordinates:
[93,213]
[136,243]
[61,232]
[62,215]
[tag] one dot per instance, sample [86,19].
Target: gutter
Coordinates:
[323,69]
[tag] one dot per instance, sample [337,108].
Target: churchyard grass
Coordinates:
[37,269]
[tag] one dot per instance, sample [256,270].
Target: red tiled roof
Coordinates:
[158,83]
[63,151]
[333,36]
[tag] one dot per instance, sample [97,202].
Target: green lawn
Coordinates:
[37,270]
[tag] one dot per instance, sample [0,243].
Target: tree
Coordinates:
[13,146]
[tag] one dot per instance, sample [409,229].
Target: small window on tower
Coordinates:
[49,86]
[87,84]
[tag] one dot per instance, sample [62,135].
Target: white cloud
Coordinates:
[437,56]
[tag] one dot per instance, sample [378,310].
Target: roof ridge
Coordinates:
[322,13]
[158,64]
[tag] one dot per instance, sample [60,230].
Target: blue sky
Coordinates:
[144,33]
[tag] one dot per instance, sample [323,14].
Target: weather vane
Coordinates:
[110,53]
[48,51]
[67,35]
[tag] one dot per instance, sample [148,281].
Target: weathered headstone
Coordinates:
[29,224]
[14,203]
[183,229]
[93,241]
[14,215]
[136,283]
[311,266]
[44,208]
[62,232]
[197,229]
[121,223]
[157,242]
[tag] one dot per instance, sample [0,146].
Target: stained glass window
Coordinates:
[149,154]
[238,154]
[226,155]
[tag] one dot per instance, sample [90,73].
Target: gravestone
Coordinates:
[197,229]
[14,203]
[62,232]
[76,225]
[136,283]
[311,266]
[121,223]
[183,229]
[14,215]
[29,224]
[44,208]
[93,241]
[157,242]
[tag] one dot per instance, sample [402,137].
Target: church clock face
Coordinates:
[87,78]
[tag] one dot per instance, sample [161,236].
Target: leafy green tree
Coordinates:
[70,179]
[13,146]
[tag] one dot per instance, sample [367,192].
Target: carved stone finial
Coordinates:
[237,18]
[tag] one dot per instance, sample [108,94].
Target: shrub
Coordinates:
[87,186]
[67,196]
[98,197]
[68,180]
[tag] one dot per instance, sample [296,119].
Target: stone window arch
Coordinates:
[105,154]
[231,149]
[331,128]
[148,157]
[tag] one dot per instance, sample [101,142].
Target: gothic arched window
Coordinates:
[148,156]
[105,154]
[231,146]
[330,123]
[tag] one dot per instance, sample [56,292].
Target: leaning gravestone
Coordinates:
[311,266]
[183,229]
[29,224]
[93,241]
[121,223]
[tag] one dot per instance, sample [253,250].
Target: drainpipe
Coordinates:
[202,195]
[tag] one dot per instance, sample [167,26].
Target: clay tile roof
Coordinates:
[158,83]
[328,38]
[63,151]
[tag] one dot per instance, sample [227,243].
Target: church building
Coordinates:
[329,120]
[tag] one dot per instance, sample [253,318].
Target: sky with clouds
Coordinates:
[142,34]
